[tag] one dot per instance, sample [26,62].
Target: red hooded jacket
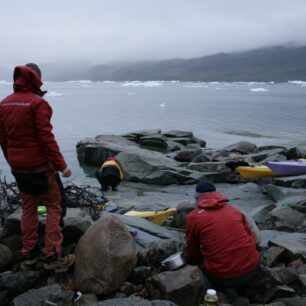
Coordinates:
[26,134]
[219,232]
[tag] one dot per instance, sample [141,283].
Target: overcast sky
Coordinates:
[100,31]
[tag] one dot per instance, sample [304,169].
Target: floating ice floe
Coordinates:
[80,81]
[55,94]
[162,105]
[259,89]
[196,85]
[302,83]
[144,84]
[3,82]
[131,93]
[108,82]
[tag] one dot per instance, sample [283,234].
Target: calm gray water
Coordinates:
[220,113]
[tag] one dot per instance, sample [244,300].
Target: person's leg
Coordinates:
[53,231]
[29,225]
[63,198]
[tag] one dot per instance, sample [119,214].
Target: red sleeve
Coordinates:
[43,113]
[192,246]
[3,137]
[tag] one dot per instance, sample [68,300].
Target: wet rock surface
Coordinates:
[161,169]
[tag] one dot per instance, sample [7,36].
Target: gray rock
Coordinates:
[154,168]
[187,155]
[302,278]
[37,297]
[261,214]
[157,141]
[276,157]
[293,242]
[294,153]
[298,181]
[278,193]
[105,256]
[76,224]
[273,255]
[277,293]
[177,285]
[178,133]
[132,301]
[173,146]
[294,301]
[6,257]
[156,252]
[3,299]
[93,151]
[243,147]
[289,216]
[134,136]
[147,232]
[296,202]
[13,242]
[182,210]
[19,282]
[140,274]
[284,275]
[275,154]
[201,158]
[207,166]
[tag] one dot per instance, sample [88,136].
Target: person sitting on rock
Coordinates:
[218,234]
[110,174]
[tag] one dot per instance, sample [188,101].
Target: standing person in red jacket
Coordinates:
[218,234]
[31,150]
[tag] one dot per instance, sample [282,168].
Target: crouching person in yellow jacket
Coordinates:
[110,174]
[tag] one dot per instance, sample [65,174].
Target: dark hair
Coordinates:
[34,67]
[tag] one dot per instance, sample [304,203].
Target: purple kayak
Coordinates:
[288,167]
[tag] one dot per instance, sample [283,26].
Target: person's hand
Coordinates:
[66,172]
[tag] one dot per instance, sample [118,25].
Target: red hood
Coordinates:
[27,79]
[211,200]
[111,158]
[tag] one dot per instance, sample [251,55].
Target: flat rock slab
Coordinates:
[294,242]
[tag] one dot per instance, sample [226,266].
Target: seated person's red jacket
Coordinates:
[218,233]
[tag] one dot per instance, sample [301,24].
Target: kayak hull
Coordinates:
[254,172]
[157,217]
[288,167]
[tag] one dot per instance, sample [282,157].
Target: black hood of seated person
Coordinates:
[27,79]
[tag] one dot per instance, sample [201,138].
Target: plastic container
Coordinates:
[211,298]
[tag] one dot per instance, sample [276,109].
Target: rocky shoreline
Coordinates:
[160,170]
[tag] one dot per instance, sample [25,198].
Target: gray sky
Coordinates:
[102,31]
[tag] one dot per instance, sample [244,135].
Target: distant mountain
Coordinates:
[279,64]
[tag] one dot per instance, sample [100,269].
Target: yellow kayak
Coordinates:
[157,217]
[254,172]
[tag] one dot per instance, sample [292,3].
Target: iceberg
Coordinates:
[144,84]
[259,89]
[55,94]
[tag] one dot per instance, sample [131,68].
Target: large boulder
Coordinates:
[154,168]
[243,147]
[132,301]
[93,151]
[177,285]
[54,294]
[105,256]
[6,257]
[18,283]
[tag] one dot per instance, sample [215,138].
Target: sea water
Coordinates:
[220,113]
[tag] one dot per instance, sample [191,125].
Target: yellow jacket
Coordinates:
[112,163]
